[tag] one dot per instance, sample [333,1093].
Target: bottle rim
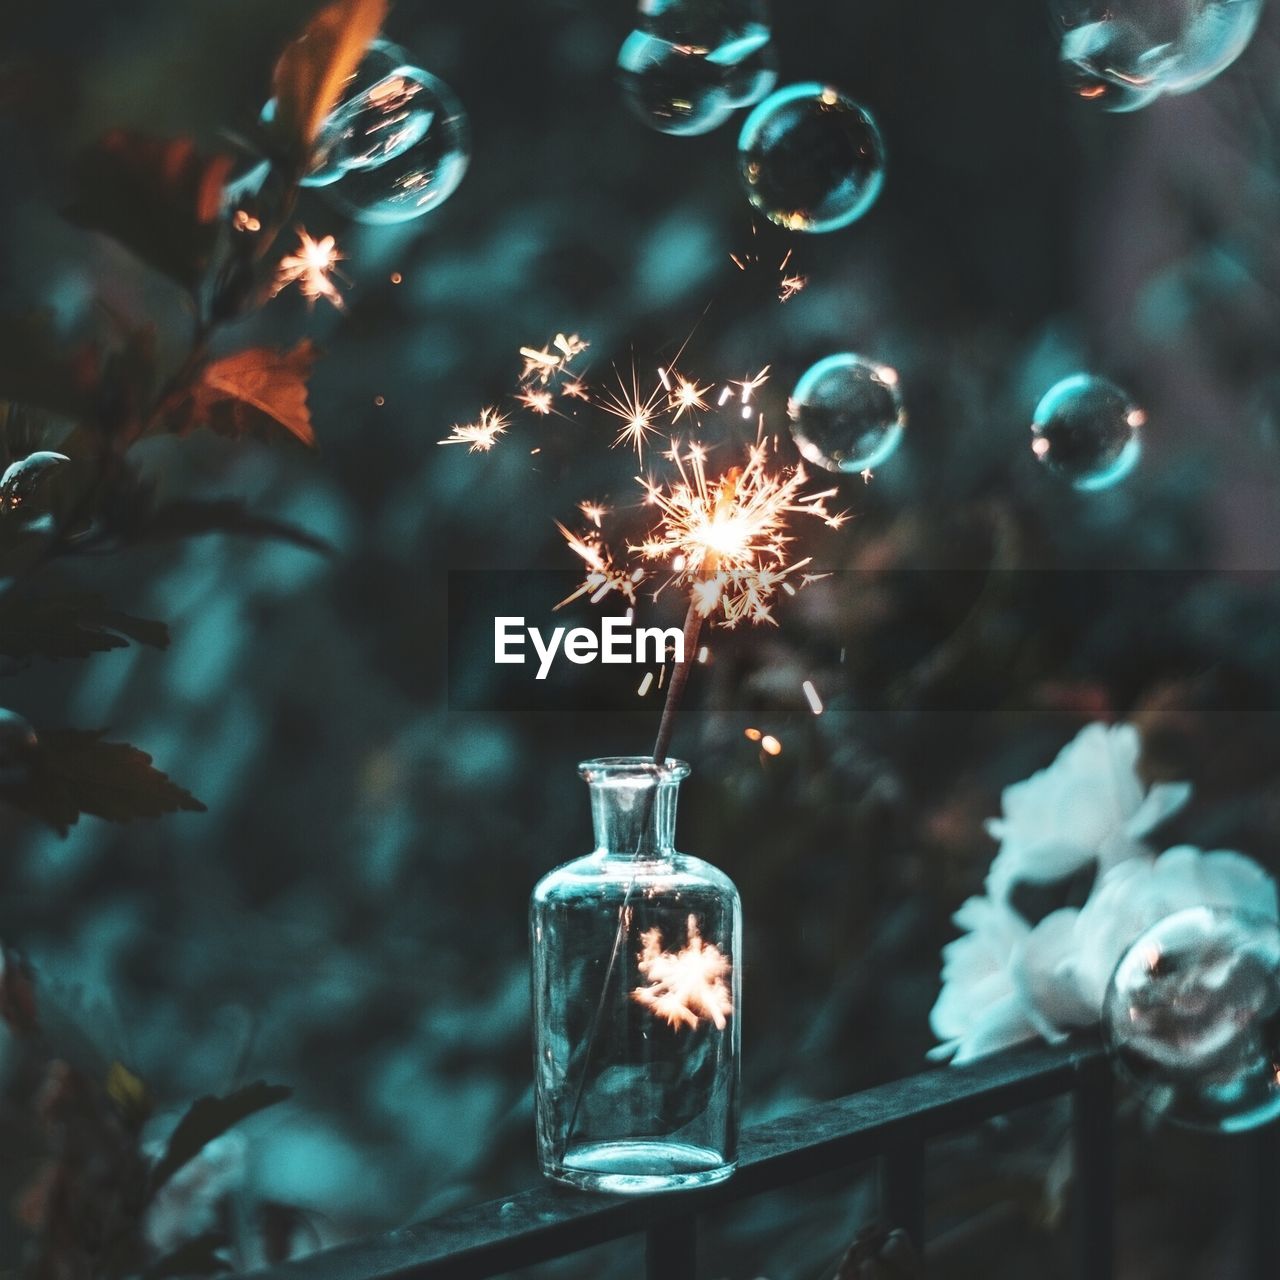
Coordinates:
[632,770]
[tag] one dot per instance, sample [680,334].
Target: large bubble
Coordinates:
[1124,54]
[1191,1019]
[811,158]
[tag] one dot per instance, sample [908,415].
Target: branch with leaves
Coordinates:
[72,412]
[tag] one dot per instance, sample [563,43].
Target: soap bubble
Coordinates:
[847,413]
[682,88]
[356,124]
[1191,1019]
[1125,53]
[411,166]
[812,159]
[1087,430]
[24,484]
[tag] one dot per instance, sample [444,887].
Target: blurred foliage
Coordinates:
[349,915]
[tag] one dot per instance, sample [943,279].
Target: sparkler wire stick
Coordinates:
[666,727]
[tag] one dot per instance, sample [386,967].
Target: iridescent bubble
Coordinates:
[1087,430]
[812,159]
[24,484]
[355,123]
[1124,54]
[414,163]
[685,88]
[1191,1019]
[847,413]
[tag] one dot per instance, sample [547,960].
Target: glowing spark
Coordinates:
[570,346]
[867,475]
[481,435]
[686,397]
[593,511]
[646,684]
[811,696]
[770,745]
[603,575]
[575,389]
[754,734]
[541,364]
[312,265]
[637,415]
[789,286]
[750,385]
[726,538]
[538,401]
[243,220]
[685,986]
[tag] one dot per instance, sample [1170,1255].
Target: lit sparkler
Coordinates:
[729,535]
[688,985]
[312,266]
[539,401]
[685,396]
[603,574]
[480,435]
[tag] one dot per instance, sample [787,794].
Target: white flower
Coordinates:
[187,1205]
[1089,806]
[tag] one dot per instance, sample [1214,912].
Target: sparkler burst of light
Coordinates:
[480,435]
[726,538]
[312,267]
[685,986]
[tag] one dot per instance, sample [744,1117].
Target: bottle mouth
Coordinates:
[631,771]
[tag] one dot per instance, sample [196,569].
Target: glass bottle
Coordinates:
[637,957]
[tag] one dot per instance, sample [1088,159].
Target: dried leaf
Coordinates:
[159,197]
[237,392]
[73,772]
[209,1118]
[70,626]
[37,368]
[311,73]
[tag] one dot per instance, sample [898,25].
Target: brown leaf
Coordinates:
[270,381]
[311,73]
[159,197]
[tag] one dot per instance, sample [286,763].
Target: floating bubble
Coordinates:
[413,165]
[24,484]
[1086,430]
[18,743]
[812,159]
[847,413]
[1191,1019]
[1124,54]
[682,88]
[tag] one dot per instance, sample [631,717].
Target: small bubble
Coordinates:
[1190,1019]
[24,484]
[1087,430]
[847,414]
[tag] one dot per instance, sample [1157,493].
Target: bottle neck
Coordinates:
[633,806]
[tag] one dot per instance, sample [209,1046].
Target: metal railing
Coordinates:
[892,1124]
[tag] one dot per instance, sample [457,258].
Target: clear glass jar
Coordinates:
[637,956]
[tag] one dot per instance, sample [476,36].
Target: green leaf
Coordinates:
[73,772]
[37,368]
[263,388]
[71,625]
[209,1118]
[313,70]
[159,197]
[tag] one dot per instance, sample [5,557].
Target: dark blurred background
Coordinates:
[349,916]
